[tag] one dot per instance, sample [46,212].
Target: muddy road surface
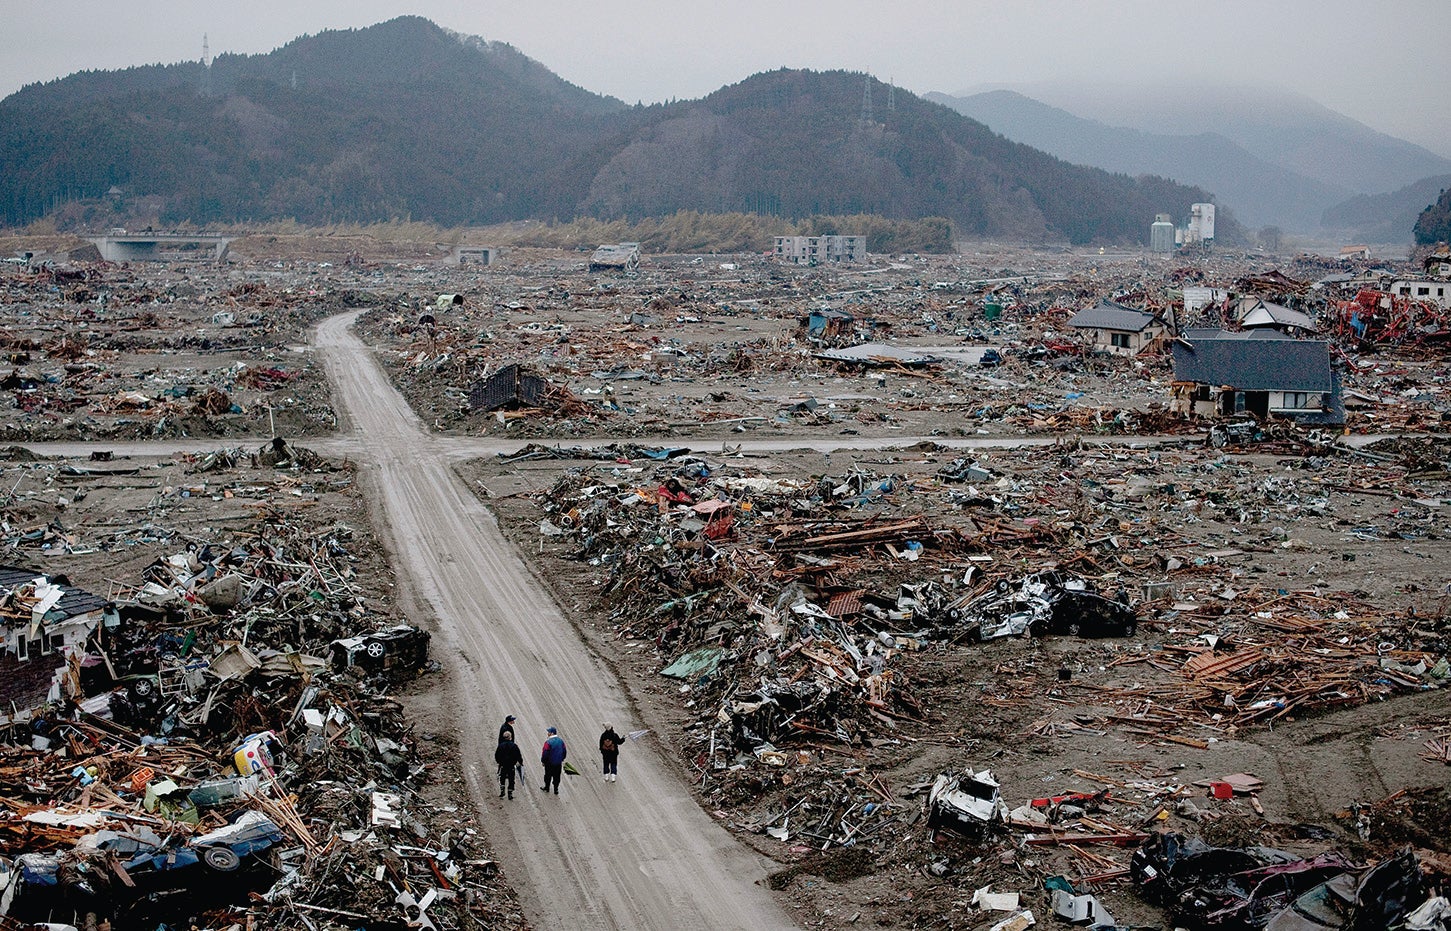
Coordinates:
[637,853]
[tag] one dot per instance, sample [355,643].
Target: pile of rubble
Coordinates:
[223,750]
[829,636]
[684,347]
[105,352]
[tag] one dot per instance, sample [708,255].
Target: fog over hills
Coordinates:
[1273,158]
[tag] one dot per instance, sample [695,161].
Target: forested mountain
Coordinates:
[1434,223]
[1388,217]
[408,119]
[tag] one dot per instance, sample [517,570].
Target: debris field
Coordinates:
[936,606]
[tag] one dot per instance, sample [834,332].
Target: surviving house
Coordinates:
[819,250]
[1423,290]
[476,255]
[1118,329]
[1257,313]
[1260,372]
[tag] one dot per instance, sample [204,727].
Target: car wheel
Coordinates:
[1075,629]
[954,614]
[221,859]
[142,688]
[1131,628]
[376,649]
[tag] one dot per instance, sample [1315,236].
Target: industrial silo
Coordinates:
[1161,234]
[1201,223]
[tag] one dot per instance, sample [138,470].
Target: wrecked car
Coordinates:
[397,649]
[145,855]
[1234,433]
[1171,868]
[1378,898]
[1248,899]
[966,803]
[1047,602]
[768,714]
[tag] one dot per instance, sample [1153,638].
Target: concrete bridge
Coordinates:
[161,247]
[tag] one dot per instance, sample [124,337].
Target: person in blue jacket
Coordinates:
[552,758]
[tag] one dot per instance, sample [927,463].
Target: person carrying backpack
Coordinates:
[610,753]
[552,758]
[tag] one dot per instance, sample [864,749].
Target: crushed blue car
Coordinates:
[143,853]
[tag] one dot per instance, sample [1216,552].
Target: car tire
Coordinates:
[142,688]
[221,859]
[1131,628]
[1074,629]
[376,649]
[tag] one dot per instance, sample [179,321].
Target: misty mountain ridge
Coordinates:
[1389,217]
[1282,127]
[1260,193]
[1273,158]
[406,119]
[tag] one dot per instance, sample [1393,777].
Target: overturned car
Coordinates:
[1047,602]
[148,861]
[398,649]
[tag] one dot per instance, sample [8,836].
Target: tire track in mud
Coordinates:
[634,854]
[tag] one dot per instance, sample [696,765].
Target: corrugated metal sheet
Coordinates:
[509,386]
[845,604]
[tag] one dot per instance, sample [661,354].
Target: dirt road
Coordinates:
[638,853]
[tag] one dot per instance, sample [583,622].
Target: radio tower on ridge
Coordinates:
[206,67]
[891,94]
[867,115]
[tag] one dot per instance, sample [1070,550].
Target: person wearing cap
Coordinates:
[509,758]
[552,758]
[610,753]
[506,730]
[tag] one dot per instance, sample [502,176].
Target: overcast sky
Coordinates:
[1385,64]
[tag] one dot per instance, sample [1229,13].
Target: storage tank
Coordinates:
[1161,234]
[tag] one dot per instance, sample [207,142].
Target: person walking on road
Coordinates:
[510,758]
[506,730]
[552,757]
[610,753]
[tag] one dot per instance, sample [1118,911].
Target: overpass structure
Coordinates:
[161,247]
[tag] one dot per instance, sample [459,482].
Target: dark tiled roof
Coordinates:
[1253,363]
[75,600]
[1110,316]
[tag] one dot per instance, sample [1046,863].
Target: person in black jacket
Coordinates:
[506,730]
[610,753]
[510,758]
